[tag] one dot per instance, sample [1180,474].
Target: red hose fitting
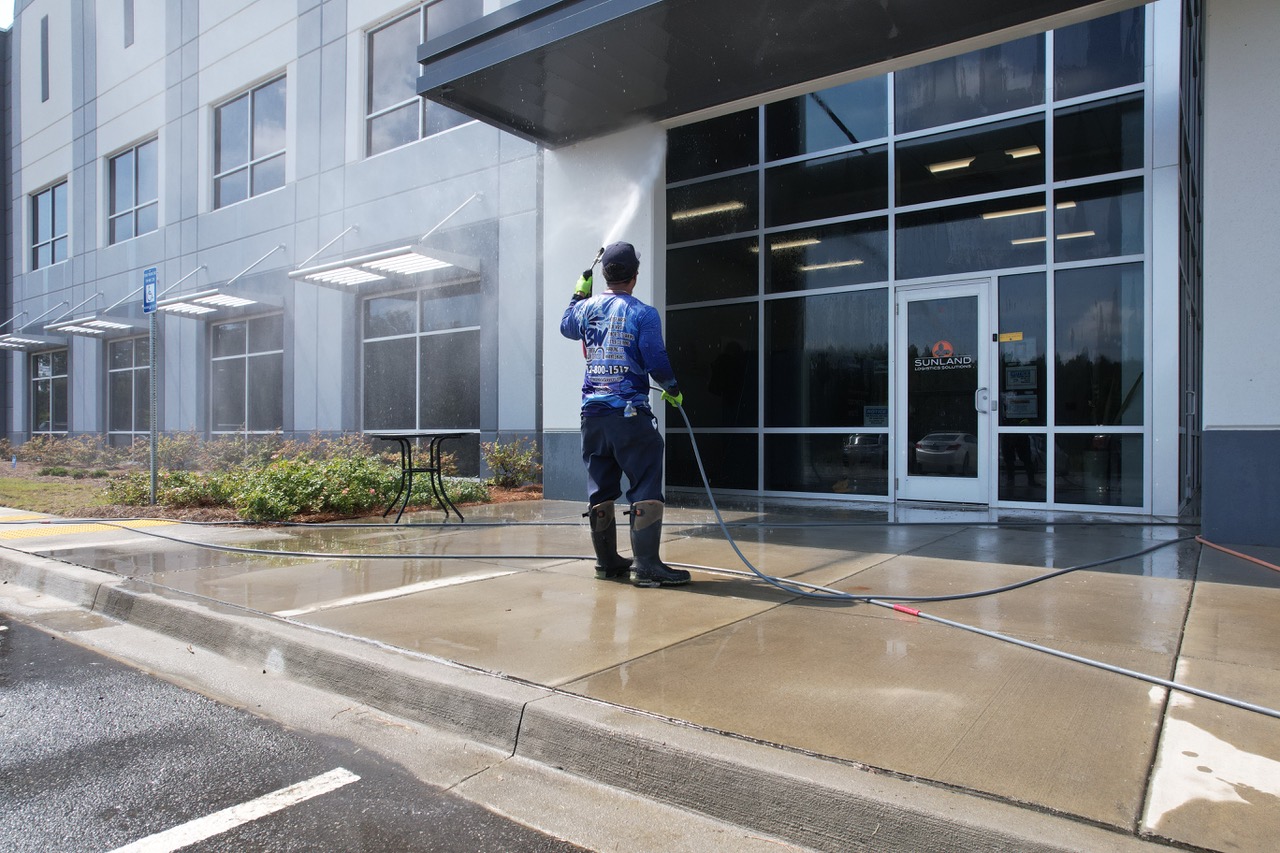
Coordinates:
[902,608]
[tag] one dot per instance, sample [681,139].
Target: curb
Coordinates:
[819,803]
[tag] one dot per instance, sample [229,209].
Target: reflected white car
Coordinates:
[947,453]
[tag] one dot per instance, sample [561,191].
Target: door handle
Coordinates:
[981,399]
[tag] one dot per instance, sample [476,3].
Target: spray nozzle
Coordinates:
[592,268]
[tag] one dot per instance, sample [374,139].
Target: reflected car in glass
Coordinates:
[867,448]
[947,453]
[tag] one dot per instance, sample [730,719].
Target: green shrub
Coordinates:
[341,475]
[132,489]
[512,464]
[54,471]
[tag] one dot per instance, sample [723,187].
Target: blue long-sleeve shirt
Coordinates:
[622,337]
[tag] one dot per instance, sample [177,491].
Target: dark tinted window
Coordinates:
[825,463]
[827,359]
[846,115]
[715,145]
[1098,221]
[827,187]
[1099,469]
[730,459]
[714,354]
[1099,137]
[981,83]
[1098,55]
[1007,232]
[720,270]
[996,157]
[1099,342]
[828,256]
[1022,339]
[711,208]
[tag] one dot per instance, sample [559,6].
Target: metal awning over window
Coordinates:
[561,71]
[402,264]
[218,300]
[22,340]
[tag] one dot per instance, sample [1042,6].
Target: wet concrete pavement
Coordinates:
[853,689]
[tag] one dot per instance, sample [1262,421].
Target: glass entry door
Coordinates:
[944,396]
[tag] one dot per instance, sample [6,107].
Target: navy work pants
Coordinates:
[613,445]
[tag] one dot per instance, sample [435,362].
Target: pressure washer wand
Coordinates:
[591,269]
[588,274]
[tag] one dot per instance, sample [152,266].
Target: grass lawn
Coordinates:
[53,495]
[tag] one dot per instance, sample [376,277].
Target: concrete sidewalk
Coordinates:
[829,725]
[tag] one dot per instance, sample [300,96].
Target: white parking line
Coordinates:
[394,592]
[219,822]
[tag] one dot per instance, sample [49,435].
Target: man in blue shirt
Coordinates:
[622,340]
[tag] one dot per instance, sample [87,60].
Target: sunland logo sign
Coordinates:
[942,356]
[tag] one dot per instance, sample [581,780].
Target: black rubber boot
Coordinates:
[646,534]
[610,565]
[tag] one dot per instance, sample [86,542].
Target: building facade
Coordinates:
[976,271]
[974,280]
[248,153]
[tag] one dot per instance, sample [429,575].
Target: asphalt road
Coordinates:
[95,755]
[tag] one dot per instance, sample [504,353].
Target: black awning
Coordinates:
[561,71]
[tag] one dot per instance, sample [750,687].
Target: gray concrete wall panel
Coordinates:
[1241,487]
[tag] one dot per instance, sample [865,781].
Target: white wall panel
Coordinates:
[1241,212]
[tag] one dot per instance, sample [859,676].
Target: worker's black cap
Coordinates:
[620,262]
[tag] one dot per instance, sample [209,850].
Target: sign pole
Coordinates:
[149,307]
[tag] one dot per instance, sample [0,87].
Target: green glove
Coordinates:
[674,399]
[583,287]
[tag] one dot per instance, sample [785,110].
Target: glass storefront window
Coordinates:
[389,368]
[1098,314]
[854,464]
[713,146]
[828,360]
[128,389]
[996,234]
[1022,467]
[713,208]
[49,392]
[452,307]
[1002,156]
[714,350]
[770,254]
[450,398]
[829,256]
[1098,138]
[1104,469]
[721,270]
[385,316]
[1022,341]
[1098,221]
[984,82]
[730,459]
[1097,55]
[247,387]
[827,187]
[833,118]
[417,346]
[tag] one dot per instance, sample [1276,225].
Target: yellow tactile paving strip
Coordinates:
[68,529]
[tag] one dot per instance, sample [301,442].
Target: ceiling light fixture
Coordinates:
[709,210]
[1075,235]
[951,165]
[1027,241]
[1025,151]
[831,265]
[1016,211]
